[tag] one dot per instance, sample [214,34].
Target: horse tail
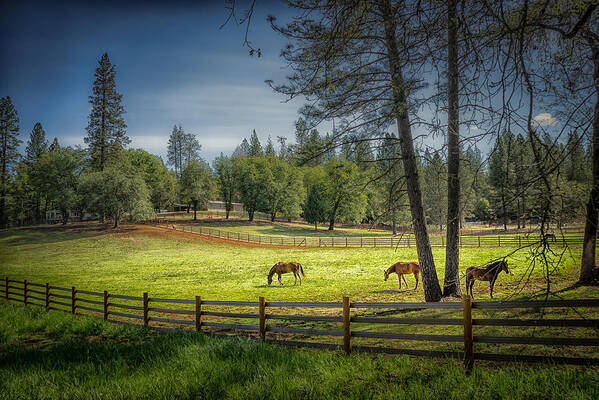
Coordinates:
[301,269]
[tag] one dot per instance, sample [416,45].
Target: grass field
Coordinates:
[58,356]
[136,259]
[171,264]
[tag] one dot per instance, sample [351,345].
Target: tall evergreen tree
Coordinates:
[37,144]
[225,177]
[191,148]
[9,155]
[175,149]
[106,135]
[255,146]
[269,150]
[54,145]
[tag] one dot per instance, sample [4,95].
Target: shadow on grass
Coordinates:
[55,233]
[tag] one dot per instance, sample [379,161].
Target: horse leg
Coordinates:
[404,281]
[295,276]
[416,277]
[492,283]
[399,278]
[300,276]
[471,286]
[280,281]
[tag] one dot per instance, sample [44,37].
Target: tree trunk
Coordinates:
[430,281]
[227,210]
[116,222]
[587,264]
[315,225]
[394,224]
[451,284]
[251,215]
[195,210]
[504,210]
[333,214]
[518,207]
[272,216]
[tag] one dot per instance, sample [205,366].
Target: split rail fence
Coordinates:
[402,241]
[155,313]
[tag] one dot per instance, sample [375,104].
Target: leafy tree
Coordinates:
[482,210]
[106,135]
[284,186]
[61,169]
[191,148]
[225,177]
[118,190]
[315,206]
[500,173]
[197,186]
[345,198]
[251,184]
[161,182]
[54,145]
[9,155]
[434,189]
[391,183]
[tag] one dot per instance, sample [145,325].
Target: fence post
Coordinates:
[198,313]
[468,336]
[499,240]
[73,300]
[519,241]
[361,242]
[374,241]
[146,302]
[6,288]
[346,241]
[47,295]
[408,240]
[478,240]
[105,305]
[25,292]
[346,326]
[262,314]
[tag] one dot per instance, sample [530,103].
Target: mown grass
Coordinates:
[58,356]
[166,264]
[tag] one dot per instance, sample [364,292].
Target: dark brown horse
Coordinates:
[488,273]
[283,268]
[401,268]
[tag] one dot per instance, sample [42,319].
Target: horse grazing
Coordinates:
[283,268]
[401,268]
[487,273]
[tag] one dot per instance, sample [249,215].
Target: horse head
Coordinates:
[504,266]
[386,275]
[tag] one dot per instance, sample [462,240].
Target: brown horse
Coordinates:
[488,273]
[283,268]
[401,268]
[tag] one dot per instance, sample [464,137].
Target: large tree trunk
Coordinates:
[587,264]
[333,214]
[451,284]
[195,210]
[272,216]
[430,281]
[251,215]
[504,210]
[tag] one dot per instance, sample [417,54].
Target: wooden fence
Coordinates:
[161,314]
[400,241]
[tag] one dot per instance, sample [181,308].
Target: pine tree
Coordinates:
[191,148]
[54,146]
[106,127]
[37,145]
[255,146]
[175,149]
[270,149]
[9,143]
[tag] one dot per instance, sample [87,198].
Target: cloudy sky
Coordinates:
[174,65]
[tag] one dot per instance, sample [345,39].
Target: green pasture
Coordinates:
[51,355]
[134,260]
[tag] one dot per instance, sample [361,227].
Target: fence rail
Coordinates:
[401,241]
[143,314]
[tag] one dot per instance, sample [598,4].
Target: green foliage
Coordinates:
[434,188]
[482,210]
[315,207]
[118,190]
[344,193]
[225,178]
[255,148]
[106,135]
[9,143]
[252,183]
[159,180]
[182,149]
[197,186]
[37,144]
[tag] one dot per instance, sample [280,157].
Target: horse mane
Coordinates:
[494,265]
[273,270]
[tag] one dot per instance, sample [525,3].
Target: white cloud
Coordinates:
[545,119]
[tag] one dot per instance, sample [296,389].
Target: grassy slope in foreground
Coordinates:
[56,355]
[167,264]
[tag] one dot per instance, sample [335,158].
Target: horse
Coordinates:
[488,273]
[283,268]
[401,268]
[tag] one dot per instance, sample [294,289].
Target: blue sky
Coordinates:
[174,65]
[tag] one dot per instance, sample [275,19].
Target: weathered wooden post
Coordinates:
[346,325]
[105,305]
[262,316]
[478,240]
[25,294]
[468,335]
[47,295]
[198,313]
[73,300]
[146,311]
